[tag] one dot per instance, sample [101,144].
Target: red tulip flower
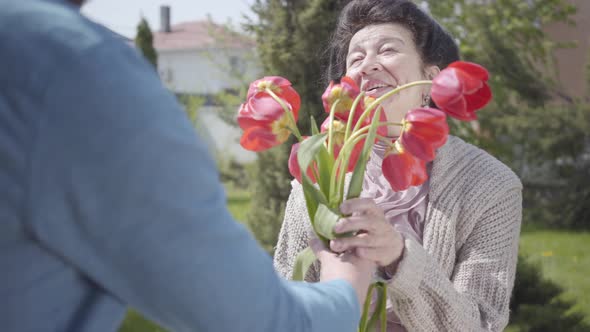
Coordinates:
[403,170]
[424,130]
[346,92]
[278,85]
[294,168]
[461,89]
[265,122]
[338,128]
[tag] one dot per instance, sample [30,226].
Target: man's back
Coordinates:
[39,40]
[108,199]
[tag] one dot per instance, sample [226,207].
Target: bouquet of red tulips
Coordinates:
[342,144]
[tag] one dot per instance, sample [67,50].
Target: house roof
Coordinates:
[200,35]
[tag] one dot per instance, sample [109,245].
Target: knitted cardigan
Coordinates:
[461,278]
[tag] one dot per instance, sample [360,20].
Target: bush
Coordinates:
[270,190]
[232,172]
[537,304]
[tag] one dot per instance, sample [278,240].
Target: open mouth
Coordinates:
[376,89]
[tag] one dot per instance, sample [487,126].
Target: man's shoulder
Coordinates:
[40,36]
[51,21]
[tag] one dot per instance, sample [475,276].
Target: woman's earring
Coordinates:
[425,100]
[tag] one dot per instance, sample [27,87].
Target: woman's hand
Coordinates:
[376,239]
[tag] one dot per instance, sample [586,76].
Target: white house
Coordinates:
[203,58]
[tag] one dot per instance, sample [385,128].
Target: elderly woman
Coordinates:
[447,248]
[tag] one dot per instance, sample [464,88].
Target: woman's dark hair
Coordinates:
[434,44]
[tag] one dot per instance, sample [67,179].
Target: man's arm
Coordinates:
[125,192]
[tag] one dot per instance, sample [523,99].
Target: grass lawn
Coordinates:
[565,259]
[238,204]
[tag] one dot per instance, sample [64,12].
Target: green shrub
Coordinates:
[537,304]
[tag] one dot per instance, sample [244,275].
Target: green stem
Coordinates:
[390,124]
[343,157]
[366,129]
[338,184]
[351,114]
[342,162]
[383,312]
[331,128]
[386,140]
[342,175]
[380,313]
[385,96]
[288,111]
[295,132]
[366,306]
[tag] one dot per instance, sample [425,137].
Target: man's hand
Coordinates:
[359,272]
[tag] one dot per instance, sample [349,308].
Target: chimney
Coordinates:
[165,19]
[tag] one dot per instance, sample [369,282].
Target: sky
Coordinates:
[123,16]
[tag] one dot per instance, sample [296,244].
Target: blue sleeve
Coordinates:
[126,193]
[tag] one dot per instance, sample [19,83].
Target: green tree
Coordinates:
[291,35]
[233,54]
[235,57]
[532,125]
[144,40]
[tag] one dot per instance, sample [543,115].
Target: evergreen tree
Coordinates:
[291,36]
[145,42]
[537,303]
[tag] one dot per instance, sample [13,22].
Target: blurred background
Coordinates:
[538,54]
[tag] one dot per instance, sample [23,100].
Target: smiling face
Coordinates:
[382,57]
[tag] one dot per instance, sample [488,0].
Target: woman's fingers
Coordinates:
[374,254]
[359,206]
[366,240]
[343,244]
[355,224]
[318,248]
[375,238]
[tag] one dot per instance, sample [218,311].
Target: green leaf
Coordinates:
[313,198]
[305,155]
[307,151]
[356,181]
[325,164]
[314,126]
[304,259]
[325,219]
